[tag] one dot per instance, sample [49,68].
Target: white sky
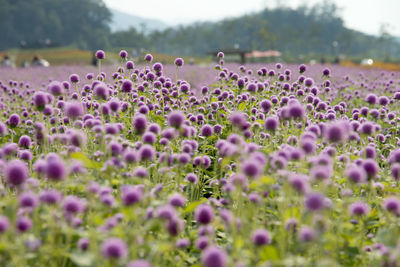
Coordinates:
[363,15]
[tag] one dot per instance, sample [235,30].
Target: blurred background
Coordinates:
[67,32]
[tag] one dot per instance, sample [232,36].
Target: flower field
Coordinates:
[184,165]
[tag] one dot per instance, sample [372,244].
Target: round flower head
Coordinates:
[139,263]
[40,99]
[314,201]
[204,214]
[73,110]
[131,195]
[252,168]
[148,58]
[179,62]
[206,130]
[214,257]
[146,152]
[100,54]
[55,88]
[371,168]
[326,72]
[271,123]
[175,119]
[56,169]
[24,141]
[74,78]
[73,205]
[177,200]
[23,224]
[296,111]
[139,123]
[358,209]
[4,223]
[50,196]
[261,237]
[306,234]
[392,204]
[308,82]
[302,68]
[123,54]
[100,91]
[14,120]
[16,172]
[130,65]
[83,244]
[127,86]
[356,174]
[28,200]
[114,248]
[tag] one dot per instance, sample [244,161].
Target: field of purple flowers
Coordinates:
[156,165]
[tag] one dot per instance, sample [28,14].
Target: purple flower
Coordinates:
[306,234]
[131,195]
[139,123]
[55,88]
[73,110]
[14,120]
[100,54]
[23,224]
[16,172]
[356,174]
[114,248]
[4,223]
[24,141]
[146,152]
[177,200]
[204,214]
[139,263]
[206,130]
[358,209]
[126,86]
[83,244]
[252,168]
[392,204]
[314,201]
[56,169]
[175,119]
[148,58]
[261,237]
[123,54]
[214,257]
[271,124]
[179,62]
[73,205]
[28,200]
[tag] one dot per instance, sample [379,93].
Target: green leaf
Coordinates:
[270,253]
[242,106]
[80,259]
[192,206]
[87,162]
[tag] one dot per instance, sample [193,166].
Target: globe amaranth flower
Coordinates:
[16,172]
[261,237]
[204,214]
[214,257]
[358,209]
[114,248]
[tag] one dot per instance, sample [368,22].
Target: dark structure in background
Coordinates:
[234,52]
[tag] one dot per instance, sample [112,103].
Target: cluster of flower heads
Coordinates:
[261,164]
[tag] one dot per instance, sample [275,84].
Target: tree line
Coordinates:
[317,30]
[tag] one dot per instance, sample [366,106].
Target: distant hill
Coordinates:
[123,21]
